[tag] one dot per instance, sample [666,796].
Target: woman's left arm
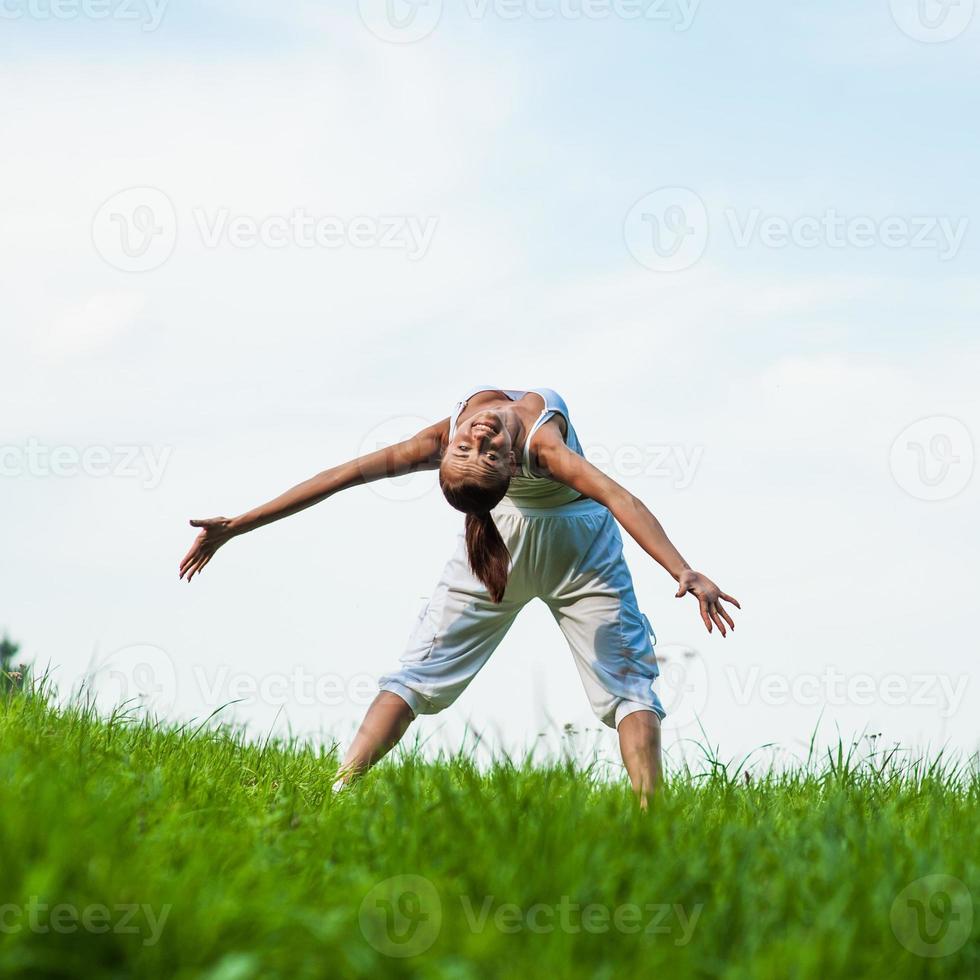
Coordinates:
[556,461]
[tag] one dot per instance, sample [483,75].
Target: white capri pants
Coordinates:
[571,557]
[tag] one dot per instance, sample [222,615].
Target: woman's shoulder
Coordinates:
[552,398]
[553,401]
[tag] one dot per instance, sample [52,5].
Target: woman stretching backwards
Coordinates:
[539,523]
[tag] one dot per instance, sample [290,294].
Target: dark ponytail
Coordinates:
[488,555]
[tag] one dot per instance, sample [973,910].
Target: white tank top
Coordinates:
[527,489]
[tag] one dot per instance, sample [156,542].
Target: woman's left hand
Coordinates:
[709,596]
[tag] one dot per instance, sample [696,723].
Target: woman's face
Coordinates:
[483,446]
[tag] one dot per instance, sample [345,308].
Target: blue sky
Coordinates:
[792,371]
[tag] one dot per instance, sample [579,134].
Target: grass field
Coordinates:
[128,849]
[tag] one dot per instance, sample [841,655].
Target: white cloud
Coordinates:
[101,319]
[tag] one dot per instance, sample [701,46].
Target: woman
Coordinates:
[539,523]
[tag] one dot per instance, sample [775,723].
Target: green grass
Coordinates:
[232,859]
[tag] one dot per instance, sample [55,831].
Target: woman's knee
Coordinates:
[640,728]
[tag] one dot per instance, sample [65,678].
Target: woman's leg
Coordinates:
[611,641]
[457,631]
[384,724]
[639,743]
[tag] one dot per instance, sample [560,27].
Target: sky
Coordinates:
[243,243]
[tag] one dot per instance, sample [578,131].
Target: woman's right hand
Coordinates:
[215,531]
[709,597]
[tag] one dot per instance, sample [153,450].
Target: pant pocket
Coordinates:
[634,628]
[653,636]
[422,637]
[639,640]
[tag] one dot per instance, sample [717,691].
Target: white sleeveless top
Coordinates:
[527,489]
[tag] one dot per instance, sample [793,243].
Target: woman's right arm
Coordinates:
[421,452]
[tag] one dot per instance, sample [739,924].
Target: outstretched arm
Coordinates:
[421,452]
[558,462]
